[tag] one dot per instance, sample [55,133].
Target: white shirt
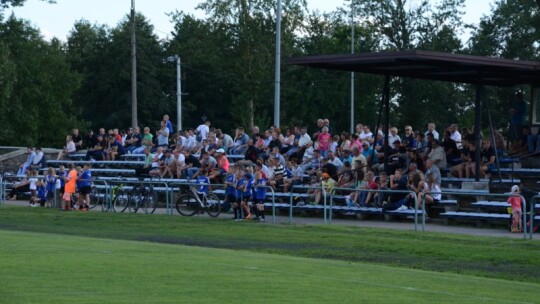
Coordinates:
[392,139]
[457,138]
[181,159]
[364,135]
[203,131]
[304,140]
[38,158]
[71,146]
[336,162]
[435,134]
[33,180]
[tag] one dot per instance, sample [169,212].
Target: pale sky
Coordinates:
[58,19]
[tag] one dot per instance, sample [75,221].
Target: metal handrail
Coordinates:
[476,194]
[385,191]
[531,215]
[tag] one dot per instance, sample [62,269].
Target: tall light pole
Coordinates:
[178,89]
[134,122]
[352,73]
[277,87]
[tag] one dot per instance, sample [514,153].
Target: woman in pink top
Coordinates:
[515,201]
[323,141]
[222,166]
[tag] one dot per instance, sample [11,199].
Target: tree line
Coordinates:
[47,87]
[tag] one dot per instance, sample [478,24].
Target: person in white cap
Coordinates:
[515,201]
[223,165]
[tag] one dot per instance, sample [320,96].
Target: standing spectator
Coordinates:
[163,135]
[77,139]
[168,123]
[431,130]
[202,130]
[323,141]
[85,186]
[517,115]
[147,140]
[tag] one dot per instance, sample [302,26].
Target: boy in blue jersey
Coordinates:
[240,184]
[230,191]
[84,184]
[41,190]
[50,185]
[259,195]
[203,184]
[247,192]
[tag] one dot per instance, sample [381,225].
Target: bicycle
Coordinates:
[98,197]
[119,201]
[194,202]
[143,197]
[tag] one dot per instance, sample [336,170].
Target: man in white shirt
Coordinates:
[456,136]
[431,129]
[203,129]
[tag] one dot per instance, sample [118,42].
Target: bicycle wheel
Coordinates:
[150,202]
[96,198]
[135,200]
[121,201]
[213,205]
[187,205]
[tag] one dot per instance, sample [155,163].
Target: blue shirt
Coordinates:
[51,182]
[239,185]
[248,189]
[231,178]
[85,178]
[260,189]
[201,179]
[42,192]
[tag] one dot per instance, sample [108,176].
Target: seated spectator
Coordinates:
[465,158]
[408,140]
[135,141]
[90,139]
[96,152]
[222,165]
[533,143]
[240,142]
[148,160]
[29,161]
[297,176]
[277,178]
[21,186]
[158,162]
[147,141]
[520,146]
[437,154]
[450,149]
[115,149]
[69,149]
[328,184]
[39,159]
[192,165]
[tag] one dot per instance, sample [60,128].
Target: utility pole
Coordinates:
[277,87]
[179,92]
[134,121]
[352,73]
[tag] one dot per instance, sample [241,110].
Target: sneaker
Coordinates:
[262,220]
[238,220]
[401,208]
[33,205]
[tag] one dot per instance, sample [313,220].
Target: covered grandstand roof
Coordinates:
[432,66]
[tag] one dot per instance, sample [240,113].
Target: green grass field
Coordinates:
[54,257]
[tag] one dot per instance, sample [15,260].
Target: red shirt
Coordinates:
[515,201]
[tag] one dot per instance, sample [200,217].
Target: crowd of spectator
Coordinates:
[288,157]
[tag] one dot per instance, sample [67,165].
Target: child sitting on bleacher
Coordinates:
[515,201]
